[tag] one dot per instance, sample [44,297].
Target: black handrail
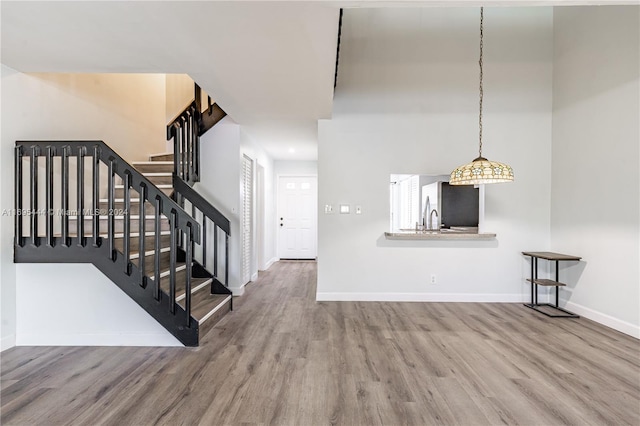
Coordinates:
[115,263]
[202,204]
[184,193]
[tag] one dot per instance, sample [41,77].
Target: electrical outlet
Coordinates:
[433,279]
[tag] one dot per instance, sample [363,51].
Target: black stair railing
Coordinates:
[212,223]
[185,131]
[80,234]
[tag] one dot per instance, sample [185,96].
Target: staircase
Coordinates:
[141,224]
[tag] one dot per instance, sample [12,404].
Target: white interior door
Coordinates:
[297,217]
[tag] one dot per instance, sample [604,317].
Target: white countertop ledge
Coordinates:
[438,236]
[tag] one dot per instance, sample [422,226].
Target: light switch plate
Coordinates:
[358,209]
[345,209]
[328,209]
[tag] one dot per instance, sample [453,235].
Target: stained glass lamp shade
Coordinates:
[481,171]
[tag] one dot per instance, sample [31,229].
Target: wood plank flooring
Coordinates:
[281,358]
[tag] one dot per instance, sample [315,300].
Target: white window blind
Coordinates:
[247,217]
[409,202]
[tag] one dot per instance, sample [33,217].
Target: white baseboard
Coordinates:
[270,263]
[254,277]
[237,291]
[421,297]
[604,319]
[7,342]
[160,340]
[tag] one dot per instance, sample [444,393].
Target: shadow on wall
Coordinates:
[382,241]
[570,274]
[409,60]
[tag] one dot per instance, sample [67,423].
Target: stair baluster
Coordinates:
[96,196]
[34,196]
[127,223]
[110,208]
[189,264]
[157,248]
[172,258]
[142,228]
[80,198]
[18,197]
[65,196]
[49,195]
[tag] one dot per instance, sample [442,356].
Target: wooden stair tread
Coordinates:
[165,241]
[546,282]
[153,166]
[119,204]
[149,266]
[209,309]
[181,280]
[165,156]
[150,252]
[203,302]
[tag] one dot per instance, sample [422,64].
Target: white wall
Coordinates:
[179,93]
[222,148]
[596,122]
[407,102]
[292,168]
[128,113]
[7,268]
[220,185]
[85,308]
[267,217]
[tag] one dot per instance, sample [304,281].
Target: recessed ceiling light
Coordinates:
[292,150]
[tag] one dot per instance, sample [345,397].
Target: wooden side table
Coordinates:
[535,282]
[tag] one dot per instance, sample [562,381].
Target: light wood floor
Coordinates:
[282,358]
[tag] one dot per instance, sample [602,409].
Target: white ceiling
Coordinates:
[270,65]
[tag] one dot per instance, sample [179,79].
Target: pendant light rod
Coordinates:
[480,62]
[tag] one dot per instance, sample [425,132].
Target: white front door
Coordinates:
[297,217]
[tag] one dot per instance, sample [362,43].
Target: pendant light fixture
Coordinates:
[481,170]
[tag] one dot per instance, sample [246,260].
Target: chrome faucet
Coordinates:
[431,220]
[425,214]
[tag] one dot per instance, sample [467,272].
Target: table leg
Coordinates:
[535,285]
[557,287]
[532,278]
